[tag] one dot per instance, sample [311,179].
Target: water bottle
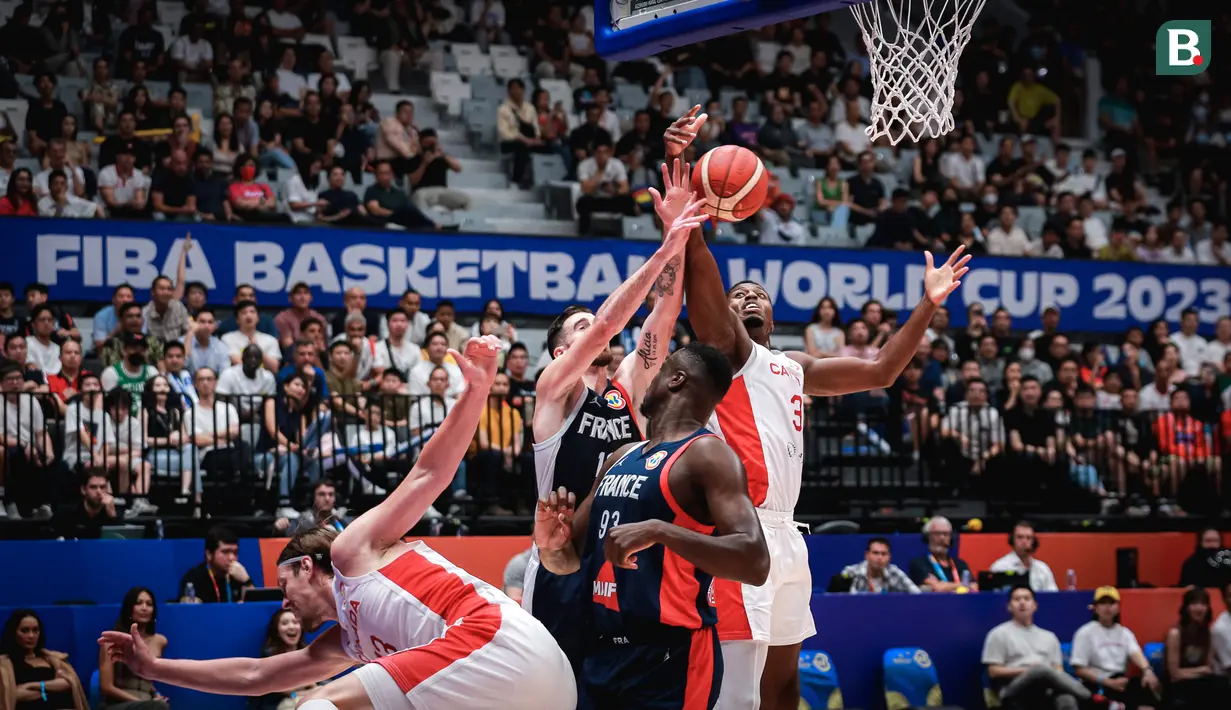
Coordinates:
[190,592]
[1072,581]
[158,528]
[966,578]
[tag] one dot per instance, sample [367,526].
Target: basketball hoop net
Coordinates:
[914,47]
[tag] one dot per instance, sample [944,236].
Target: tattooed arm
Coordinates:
[639,367]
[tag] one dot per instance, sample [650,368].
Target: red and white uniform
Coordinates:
[762,419]
[433,636]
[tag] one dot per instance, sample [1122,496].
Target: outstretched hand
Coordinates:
[680,135]
[553,520]
[938,283]
[677,192]
[678,231]
[478,361]
[129,649]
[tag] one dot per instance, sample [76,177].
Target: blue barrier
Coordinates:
[101,571]
[85,260]
[854,630]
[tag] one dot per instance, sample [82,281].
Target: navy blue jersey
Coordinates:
[665,592]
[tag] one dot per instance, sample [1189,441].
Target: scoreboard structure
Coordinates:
[636,29]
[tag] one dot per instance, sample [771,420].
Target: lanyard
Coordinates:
[940,571]
[214,582]
[884,585]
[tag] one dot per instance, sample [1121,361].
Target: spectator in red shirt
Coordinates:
[67,382]
[1183,444]
[19,199]
[252,201]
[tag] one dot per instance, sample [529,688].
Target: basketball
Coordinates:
[733,181]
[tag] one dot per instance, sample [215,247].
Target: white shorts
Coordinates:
[778,612]
[501,658]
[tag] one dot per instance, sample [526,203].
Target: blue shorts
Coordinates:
[680,673]
[558,604]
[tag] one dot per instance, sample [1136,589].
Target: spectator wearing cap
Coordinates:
[246,319]
[939,570]
[876,575]
[126,137]
[123,188]
[44,116]
[387,204]
[778,223]
[288,320]
[604,186]
[895,227]
[134,369]
[32,474]
[1024,662]
[1102,651]
[430,179]
[131,322]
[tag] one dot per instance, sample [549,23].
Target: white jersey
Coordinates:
[409,602]
[762,419]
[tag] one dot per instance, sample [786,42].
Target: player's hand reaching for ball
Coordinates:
[477,361]
[678,231]
[625,541]
[680,135]
[130,649]
[553,520]
[938,283]
[677,191]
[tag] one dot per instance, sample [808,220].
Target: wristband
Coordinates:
[42,688]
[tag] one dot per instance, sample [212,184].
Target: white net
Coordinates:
[914,47]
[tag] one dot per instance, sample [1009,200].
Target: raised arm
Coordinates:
[359,547]
[282,673]
[640,367]
[181,267]
[844,375]
[561,374]
[735,551]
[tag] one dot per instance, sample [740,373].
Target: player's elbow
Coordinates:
[756,565]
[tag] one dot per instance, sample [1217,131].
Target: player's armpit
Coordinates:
[737,550]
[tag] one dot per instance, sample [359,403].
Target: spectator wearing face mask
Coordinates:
[1031,365]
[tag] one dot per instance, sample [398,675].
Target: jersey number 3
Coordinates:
[798,417]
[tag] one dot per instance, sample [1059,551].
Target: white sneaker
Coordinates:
[287,512]
[462,496]
[13,513]
[140,506]
[371,489]
[432,513]
[43,512]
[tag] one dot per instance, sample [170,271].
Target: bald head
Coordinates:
[179,162]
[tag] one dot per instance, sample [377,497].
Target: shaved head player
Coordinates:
[581,416]
[664,517]
[425,634]
[762,418]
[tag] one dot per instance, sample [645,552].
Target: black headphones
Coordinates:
[926,533]
[1034,534]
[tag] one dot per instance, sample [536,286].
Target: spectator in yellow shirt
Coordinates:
[1118,247]
[496,451]
[1035,108]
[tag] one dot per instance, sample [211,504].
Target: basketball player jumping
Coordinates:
[762,418]
[428,635]
[662,517]
[581,416]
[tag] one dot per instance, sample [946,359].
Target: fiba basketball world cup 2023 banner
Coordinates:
[84,260]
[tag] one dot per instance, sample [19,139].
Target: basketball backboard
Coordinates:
[635,29]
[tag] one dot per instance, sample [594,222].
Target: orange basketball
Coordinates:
[733,181]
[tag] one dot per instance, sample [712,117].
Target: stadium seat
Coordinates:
[485,86]
[507,63]
[1066,653]
[818,682]
[911,680]
[356,55]
[631,96]
[559,90]
[1031,220]
[94,693]
[641,228]
[1156,654]
[449,90]
[546,168]
[318,40]
[470,59]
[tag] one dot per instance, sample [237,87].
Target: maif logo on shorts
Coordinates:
[1182,48]
[614,400]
